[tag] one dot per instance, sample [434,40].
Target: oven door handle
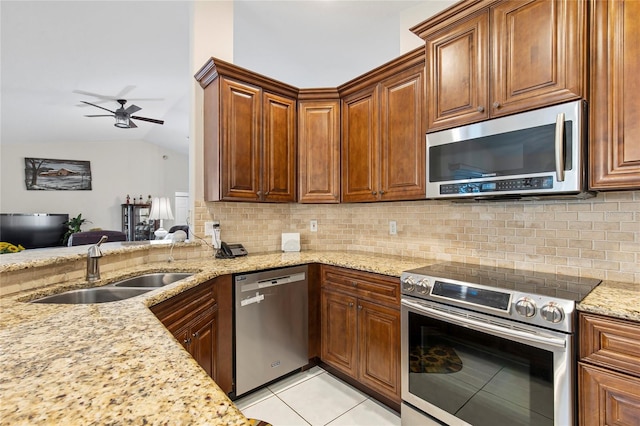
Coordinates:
[517,335]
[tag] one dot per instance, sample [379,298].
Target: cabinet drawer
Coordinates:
[177,311]
[607,398]
[374,287]
[610,343]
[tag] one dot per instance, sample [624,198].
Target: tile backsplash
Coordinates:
[597,238]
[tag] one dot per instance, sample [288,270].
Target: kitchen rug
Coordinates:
[437,359]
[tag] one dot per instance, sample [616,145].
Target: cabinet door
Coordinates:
[614,107]
[240,141]
[457,64]
[319,151]
[402,144]
[379,348]
[203,345]
[338,342]
[607,398]
[360,146]
[279,149]
[538,54]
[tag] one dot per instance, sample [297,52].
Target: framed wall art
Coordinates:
[45,174]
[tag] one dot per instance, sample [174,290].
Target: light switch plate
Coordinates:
[393,227]
[313,226]
[208,228]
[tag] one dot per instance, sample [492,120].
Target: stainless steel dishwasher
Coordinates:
[271,325]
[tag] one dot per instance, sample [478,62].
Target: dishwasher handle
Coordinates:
[273,282]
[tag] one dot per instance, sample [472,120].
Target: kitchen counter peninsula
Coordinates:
[116,363]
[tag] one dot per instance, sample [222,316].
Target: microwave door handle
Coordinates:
[559,142]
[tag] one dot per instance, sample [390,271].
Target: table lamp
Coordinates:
[160,210]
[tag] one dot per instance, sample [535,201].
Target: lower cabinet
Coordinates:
[609,371]
[360,328]
[201,320]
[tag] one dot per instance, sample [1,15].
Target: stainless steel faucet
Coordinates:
[93,267]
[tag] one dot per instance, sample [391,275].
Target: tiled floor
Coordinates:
[315,397]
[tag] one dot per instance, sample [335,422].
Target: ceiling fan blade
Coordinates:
[95,95]
[97,106]
[132,125]
[102,115]
[150,120]
[132,109]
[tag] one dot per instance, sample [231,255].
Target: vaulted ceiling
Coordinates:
[56,54]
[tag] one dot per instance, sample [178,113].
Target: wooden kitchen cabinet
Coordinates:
[360,329]
[614,119]
[318,146]
[457,68]
[201,320]
[487,59]
[249,135]
[383,128]
[608,371]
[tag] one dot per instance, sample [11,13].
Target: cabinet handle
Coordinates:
[381,192]
[480,109]
[196,334]
[359,306]
[351,304]
[353,283]
[496,104]
[187,341]
[266,193]
[373,192]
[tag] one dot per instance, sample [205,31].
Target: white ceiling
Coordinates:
[139,50]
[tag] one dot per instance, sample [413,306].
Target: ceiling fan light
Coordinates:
[122,122]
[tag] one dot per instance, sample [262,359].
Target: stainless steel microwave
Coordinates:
[531,154]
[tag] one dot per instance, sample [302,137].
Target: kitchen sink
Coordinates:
[152,280]
[120,290]
[93,295]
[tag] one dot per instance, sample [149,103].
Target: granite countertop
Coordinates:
[116,363]
[614,299]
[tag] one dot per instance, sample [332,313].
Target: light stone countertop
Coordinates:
[115,363]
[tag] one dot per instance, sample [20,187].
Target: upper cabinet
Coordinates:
[614,107]
[383,132]
[487,59]
[249,135]
[318,146]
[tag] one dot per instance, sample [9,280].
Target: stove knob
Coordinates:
[526,307]
[424,286]
[408,284]
[552,312]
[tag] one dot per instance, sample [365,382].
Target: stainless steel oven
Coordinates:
[488,346]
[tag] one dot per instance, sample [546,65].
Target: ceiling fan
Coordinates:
[123,116]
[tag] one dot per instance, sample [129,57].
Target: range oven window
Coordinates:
[518,152]
[481,379]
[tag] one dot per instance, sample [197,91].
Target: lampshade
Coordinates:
[122,122]
[160,210]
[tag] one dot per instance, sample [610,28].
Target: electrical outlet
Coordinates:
[393,227]
[208,228]
[313,226]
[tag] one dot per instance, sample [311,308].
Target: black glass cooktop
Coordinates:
[542,283]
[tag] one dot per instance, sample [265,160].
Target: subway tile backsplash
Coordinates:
[597,238]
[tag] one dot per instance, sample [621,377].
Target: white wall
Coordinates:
[415,15]
[118,168]
[315,43]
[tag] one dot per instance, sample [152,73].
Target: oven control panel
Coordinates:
[535,309]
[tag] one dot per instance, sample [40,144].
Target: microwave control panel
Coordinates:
[505,185]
